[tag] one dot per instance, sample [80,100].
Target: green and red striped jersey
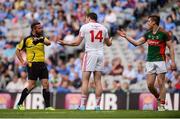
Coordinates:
[156,45]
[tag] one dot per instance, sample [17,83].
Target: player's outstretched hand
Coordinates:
[110,39]
[61,42]
[173,66]
[122,33]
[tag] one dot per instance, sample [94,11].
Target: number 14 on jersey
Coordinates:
[97,36]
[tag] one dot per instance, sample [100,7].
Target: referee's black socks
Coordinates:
[46,95]
[24,94]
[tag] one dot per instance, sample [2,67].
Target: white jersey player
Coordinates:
[94,35]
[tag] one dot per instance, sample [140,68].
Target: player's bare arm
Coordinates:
[19,56]
[75,42]
[138,42]
[108,42]
[18,53]
[171,51]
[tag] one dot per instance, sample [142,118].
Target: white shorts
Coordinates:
[92,62]
[156,67]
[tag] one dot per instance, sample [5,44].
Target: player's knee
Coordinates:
[45,84]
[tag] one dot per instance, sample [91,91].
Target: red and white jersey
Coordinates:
[94,35]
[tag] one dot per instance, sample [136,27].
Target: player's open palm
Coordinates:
[122,33]
[173,66]
[61,42]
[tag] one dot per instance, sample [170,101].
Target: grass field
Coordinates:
[87,114]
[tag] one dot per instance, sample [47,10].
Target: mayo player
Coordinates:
[157,39]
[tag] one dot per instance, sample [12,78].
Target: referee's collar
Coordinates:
[32,34]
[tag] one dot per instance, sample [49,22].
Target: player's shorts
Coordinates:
[92,62]
[156,67]
[37,70]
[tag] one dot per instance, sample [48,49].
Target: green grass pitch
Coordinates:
[87,114]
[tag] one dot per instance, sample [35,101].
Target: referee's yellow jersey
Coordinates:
[34,53]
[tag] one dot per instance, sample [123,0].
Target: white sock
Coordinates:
[98,100]
[83,100]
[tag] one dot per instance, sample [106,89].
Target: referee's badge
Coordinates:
[30,64]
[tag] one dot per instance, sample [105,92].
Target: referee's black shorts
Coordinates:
[37,70]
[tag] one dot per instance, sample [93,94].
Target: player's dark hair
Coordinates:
[155,18]
[92,16]
[34,23]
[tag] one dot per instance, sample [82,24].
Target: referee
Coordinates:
[33,45]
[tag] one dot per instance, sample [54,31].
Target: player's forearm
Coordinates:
[19,56]
[108,41]
[72,43]
[75,42]
[131,40]
[171,50]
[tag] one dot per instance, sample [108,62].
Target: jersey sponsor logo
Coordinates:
[153,42]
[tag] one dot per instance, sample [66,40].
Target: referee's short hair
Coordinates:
[92,16]
[34,23]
